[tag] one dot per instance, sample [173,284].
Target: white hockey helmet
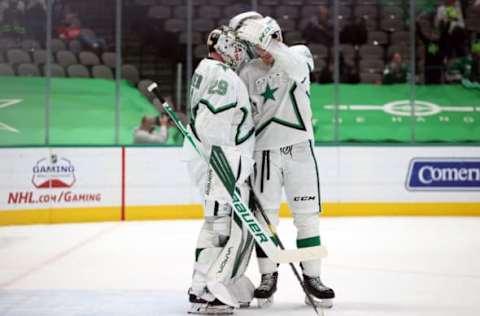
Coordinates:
[224,42]
[277,34]
[237,21]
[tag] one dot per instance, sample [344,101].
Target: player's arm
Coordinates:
[289,60]
[264,35]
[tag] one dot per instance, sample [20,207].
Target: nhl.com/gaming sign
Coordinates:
[53,173]
[443,174]
[54,180]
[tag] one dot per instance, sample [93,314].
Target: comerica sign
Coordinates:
[449,174]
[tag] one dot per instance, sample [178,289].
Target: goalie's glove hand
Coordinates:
[256,32]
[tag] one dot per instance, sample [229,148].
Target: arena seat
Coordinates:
[88,58]
[78,71]
[6,70]
[56,70]
[18,56]
[28,70]
[102,71]
[66,58]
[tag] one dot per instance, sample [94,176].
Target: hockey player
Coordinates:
[278,84]
[220,116]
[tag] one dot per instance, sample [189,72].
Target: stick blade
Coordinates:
[303,254]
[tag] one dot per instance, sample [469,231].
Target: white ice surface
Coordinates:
[377,266]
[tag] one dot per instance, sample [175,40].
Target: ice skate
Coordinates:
[322,295]
[264,293]
[200,306]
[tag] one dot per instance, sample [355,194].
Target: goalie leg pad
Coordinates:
[230,264]
[243,290]
[214,234]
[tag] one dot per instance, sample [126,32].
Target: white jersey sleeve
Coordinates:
[297,60]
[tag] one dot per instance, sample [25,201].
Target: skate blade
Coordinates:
[322,303]
[201,309]
[264,302]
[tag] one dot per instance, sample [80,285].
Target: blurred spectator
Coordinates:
[36,17]
[157,130]
[449,20]
[395,71]
[326,74]
[71,28]
[147,133]
[354,32]
[318,29]
[348,71]
[475,75]
[476,6]
[13,22]
[458,69]
[434,57]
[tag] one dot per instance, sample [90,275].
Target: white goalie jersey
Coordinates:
[220,107]
[280,96]
[220,115]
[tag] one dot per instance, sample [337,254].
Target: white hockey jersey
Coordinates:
[220,108]
[280,96]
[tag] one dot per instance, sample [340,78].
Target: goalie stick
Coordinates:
[222,168]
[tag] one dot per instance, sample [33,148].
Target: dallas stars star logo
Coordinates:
[268,94]
[6,103]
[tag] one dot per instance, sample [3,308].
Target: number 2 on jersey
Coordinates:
[218,87]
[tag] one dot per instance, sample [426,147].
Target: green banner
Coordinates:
[378,113]
[83,112]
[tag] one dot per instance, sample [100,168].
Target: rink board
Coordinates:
[77,184]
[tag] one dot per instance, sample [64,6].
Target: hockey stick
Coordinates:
[272,229]
[222,168]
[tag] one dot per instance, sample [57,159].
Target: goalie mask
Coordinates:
[224,42]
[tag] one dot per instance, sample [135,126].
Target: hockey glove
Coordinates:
[256,32]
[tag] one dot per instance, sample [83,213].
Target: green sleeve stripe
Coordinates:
[308,242]
[240,139]
[216,110]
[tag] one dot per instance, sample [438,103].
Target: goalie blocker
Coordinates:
[222,168]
